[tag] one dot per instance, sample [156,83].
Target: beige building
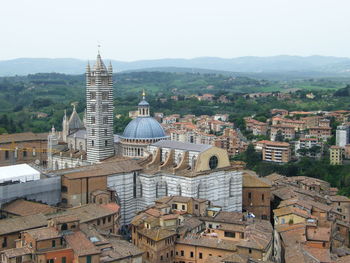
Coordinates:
[24,147]
[321,133]
[278,152]
[335,155]
[257,127]
[287,131]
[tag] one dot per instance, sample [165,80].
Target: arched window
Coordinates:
[179,190]
[179,157]
[201,190]
[139,188]
[213,162]
[193,162]
[56,166]
[215,187]
[161,189]
[231,187]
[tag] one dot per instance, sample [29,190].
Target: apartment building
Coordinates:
[278,152]
[287,131]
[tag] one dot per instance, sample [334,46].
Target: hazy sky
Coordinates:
[151,29]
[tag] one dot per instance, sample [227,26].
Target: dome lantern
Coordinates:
[143,107]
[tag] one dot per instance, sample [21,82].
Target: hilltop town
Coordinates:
[175,188]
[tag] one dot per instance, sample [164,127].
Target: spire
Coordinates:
[110,68]
[99,65]
[74,120]
[53,130]
[65,115]
[143,94]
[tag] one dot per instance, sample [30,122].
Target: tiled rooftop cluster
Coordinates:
[183,229]
[81,234]
[311,221]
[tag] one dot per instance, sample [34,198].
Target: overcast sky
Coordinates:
[150,29]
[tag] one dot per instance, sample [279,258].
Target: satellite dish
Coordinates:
[37,161]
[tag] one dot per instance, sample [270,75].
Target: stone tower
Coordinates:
[99,111]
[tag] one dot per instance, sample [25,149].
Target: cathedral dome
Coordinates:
[144,128]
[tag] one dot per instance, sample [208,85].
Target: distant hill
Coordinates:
[294,65]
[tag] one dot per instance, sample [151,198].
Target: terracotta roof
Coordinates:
[60,219]
[321,254]
[291,210]
[335,147]
[274,177]
[233,227]
[209,242]
[81,245]
[339,198]
[228,258]
[225,217]
[113,207]
[157,233]
[170,216]
[120,249]
[23,137]
[258,235]
[285,193]
[44,233]
[107,168]
[154,212]
[295,202]
[15,252]
[287,227]
[23,207]
[85,213]
[18,224]
[318,234]
[254,181]
[179,199]
[271,143]
[190,223]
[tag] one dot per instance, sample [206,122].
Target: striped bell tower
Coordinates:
[99,111]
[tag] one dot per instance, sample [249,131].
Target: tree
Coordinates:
[252,158]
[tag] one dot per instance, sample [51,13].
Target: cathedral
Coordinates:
[92,140]
[142,164]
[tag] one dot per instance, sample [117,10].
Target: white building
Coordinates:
[342,136]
